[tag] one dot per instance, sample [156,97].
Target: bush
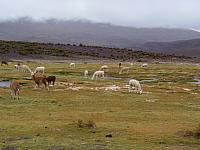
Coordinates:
[193,133]
[196,132]
[89,124]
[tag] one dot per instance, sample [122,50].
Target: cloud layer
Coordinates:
[139,13]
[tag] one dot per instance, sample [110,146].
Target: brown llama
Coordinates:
[14,89]
[51,79]
[39,80]
[4,63]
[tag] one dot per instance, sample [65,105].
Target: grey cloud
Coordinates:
[139,13]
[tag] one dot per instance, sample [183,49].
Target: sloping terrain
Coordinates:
[88,33]
[186,47]
[13,49]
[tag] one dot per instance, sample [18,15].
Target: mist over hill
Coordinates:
[94,34]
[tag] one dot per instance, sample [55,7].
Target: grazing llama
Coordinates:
[25,68]
[72,65]
[4,63]
[124,70]
[135,85]
[39,80]
[104,67]
[39,70]
[98,74]
[14,89]
[144,65]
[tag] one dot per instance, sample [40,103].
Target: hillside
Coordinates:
[89,33]
[185,47]
[13,49]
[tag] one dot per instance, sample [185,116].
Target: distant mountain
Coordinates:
[185,47]
[88,33]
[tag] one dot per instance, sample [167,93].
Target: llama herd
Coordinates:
[40,79]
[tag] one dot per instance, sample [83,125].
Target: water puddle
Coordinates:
[4,83]
[197,80]
[149,80]
[112,78]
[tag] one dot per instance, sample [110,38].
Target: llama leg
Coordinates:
[35,86]
[15,93]
[46,86]
[130,88]
[18,94]
[11,94]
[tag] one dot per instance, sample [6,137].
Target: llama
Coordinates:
[144,65]
[120,64]
[72,65]
[4,63]
[40,80]
[98,74]
[104,67]
[39,70]
[135,85]
[86,73]
[51,79]
[25,68]
[16,67]
[124,70]
[14,89]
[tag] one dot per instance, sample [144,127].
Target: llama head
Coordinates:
[32,73]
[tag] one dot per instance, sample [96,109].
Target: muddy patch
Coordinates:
[112,78]
[197,80]
[9,148]
[149,80]
[10,139]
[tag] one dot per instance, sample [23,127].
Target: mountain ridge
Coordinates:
[89,33]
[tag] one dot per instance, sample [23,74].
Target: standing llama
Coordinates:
[14,89]
[51,79]
[86,73]
[39,80]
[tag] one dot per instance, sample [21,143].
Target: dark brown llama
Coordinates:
[51,79]
[4,63]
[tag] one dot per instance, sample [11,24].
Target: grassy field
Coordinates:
[154,120]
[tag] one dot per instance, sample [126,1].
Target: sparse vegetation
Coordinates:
[68,50]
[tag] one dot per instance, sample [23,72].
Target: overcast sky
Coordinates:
[138,13]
